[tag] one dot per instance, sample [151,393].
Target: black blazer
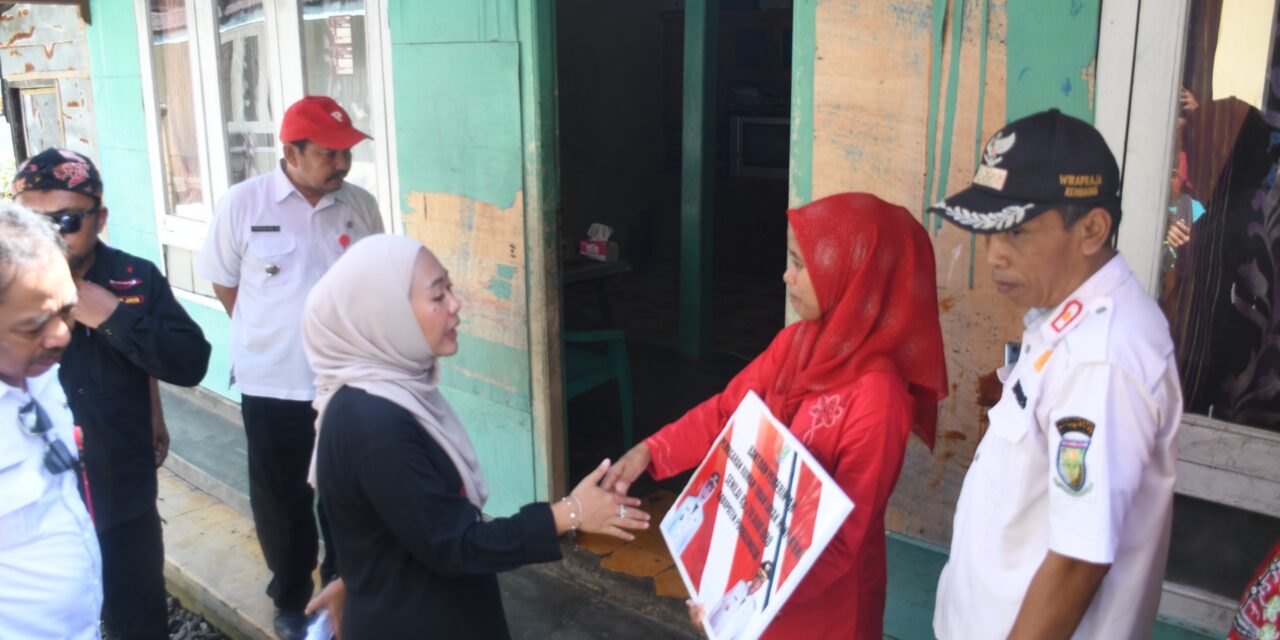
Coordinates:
[416,556]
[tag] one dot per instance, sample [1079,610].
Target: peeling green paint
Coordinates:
[949,116]
[503,439]
[935,89]
[1049,45]
[458,126]
[506,271]
[536,24]
[490,370]
[500,288]
[983,33]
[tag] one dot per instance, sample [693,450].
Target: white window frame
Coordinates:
[1221,462]
[287,85]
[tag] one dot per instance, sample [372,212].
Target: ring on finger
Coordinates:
[622,511]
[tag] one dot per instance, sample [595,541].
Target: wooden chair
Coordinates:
[586,369]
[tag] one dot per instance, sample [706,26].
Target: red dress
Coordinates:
[851,384]
[858,432]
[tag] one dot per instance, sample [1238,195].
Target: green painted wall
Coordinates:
[124,161]
[1053,47]
[803,49]
[458,118]
[540,118]
[122,143]
[457,96]
[456,66]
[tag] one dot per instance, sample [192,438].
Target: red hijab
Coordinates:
[872,268]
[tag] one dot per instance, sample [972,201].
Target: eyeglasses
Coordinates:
[69,220]
[57,457]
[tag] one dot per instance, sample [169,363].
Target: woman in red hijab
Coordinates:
[862,369]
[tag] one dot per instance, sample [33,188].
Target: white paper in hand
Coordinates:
[321,628]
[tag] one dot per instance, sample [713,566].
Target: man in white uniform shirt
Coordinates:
[272,238]
[1062,527]
[50,567]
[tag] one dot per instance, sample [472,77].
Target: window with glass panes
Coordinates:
[219,75]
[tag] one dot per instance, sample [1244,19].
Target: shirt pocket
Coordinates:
[1001,455]
[20,486]
[272,259]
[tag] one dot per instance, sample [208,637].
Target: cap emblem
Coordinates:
[991,177]
[999,145]
[337,115]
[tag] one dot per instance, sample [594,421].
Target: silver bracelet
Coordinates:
[575,520]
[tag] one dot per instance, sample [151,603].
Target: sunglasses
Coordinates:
[69,221]
[57,457]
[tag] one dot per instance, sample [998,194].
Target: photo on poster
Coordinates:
[752,521]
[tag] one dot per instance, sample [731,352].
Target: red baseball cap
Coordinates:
[320,120]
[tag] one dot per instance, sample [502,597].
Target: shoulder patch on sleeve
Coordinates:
[1073,475]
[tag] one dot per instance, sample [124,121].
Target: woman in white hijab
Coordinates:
[395,469]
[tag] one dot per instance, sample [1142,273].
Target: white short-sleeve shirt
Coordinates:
[273,245]
[1079,459]
[50,566]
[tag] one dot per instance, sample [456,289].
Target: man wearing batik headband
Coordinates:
[1062,527]
[129,331]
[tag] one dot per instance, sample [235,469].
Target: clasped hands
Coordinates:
[599,505]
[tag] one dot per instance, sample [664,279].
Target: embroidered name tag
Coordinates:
[265,227]
[131,299]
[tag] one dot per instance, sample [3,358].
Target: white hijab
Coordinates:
[359,330]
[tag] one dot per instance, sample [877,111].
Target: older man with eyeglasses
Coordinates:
[129,331]
[50,566]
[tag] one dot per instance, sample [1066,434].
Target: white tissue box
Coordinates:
[602,250]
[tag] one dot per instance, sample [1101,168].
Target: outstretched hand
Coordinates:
[604,511]
[628,468]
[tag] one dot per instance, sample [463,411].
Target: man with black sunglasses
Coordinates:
[50,566]
[129,331]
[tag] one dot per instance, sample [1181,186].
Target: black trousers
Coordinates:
[133,605]
[281,435]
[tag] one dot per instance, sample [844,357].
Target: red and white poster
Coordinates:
[754,518]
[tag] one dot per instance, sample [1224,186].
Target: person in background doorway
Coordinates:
[860,371]
[1062,528]
[272,238]
[50,567]
[129,332]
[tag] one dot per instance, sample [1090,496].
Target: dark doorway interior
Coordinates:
[620,70]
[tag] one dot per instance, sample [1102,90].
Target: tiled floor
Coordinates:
[647,556]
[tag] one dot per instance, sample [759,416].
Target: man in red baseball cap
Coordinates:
[318,137]
[272,238]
